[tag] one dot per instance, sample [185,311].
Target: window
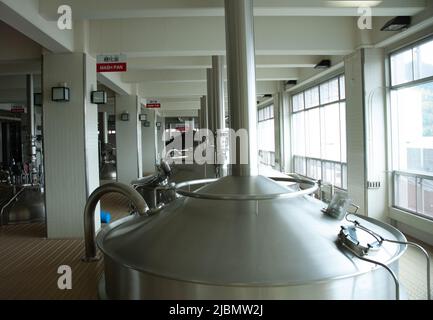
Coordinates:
[266,136]
[319,132]
[412,128]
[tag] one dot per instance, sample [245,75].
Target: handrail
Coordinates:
[246,197]
[89,212]
[7,204]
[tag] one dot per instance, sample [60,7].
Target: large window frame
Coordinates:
[420,181]
[266,114]
[320,167]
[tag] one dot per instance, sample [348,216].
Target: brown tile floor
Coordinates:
[28,263]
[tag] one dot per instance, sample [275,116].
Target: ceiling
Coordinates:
[169,43]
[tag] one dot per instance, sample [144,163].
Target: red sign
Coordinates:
[17,109]
[111,63]
[153,104]
[111,67]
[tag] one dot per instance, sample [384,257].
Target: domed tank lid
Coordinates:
[249,185]
[258,243]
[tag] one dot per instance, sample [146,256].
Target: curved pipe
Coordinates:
[89,212]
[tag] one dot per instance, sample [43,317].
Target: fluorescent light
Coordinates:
[352,4]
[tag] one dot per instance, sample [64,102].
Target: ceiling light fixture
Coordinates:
[352,4]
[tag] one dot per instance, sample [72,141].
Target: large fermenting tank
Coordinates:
[273,247]
[26,204]
[243,236]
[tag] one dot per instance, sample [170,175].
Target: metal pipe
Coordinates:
[219,112]
[8,203]
[427,256]
[242,82]
[210,107]
[32,128]
[218,91]
[89,212]
[203,113]
[105,128]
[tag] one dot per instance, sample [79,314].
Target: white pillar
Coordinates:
[128,138]
[148,134]
[366,136]
[70,143]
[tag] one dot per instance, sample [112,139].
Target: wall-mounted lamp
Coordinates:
[324,64]
[124,116]
[142,117]
[37,99]
[146,124]
[99,97]
[158,125]
[60,94]
[397,24]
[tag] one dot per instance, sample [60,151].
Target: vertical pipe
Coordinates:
[242,81]
[105,127]
[210,108]
[218,91]
[203,113]
[219,112]
[32,128]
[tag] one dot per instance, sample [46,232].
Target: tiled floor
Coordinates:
[28,263]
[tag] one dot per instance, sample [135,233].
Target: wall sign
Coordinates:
[18,109]
[153,104]
[111,63]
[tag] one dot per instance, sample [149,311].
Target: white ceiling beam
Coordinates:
[16,46]
[196,75]
[24,17]
[20,67]
[193,89]
[206,36]
[15,96]
[111,9]
[184,105]
[203,62]
[179,113]
[114,82]
[12,82]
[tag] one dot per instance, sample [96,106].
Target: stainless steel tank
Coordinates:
[242,238]
[25,205]
[109,171]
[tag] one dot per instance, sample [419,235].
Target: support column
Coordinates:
[366,136]
[149,147]
[278,108]
[70,143]
[128,139]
